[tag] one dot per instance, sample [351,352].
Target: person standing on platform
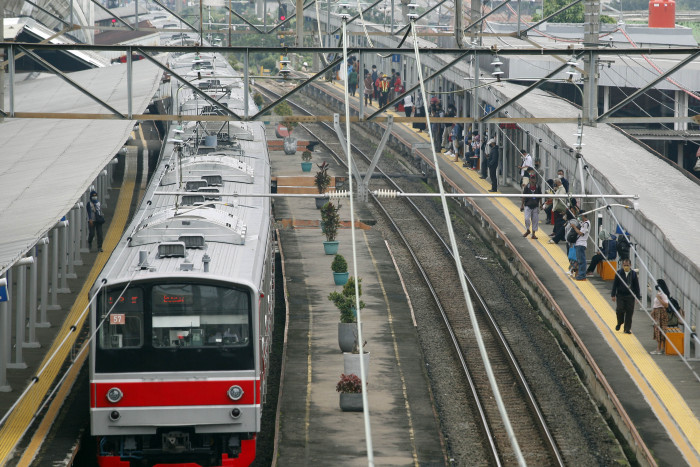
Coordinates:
[369,89]
[580,245]
[564,181]
[659,314]
[531,206]
[625,288]
[383,91]
[527,162]
[493,164]
[352,80]
[559,210]
[375,77]
[408,105]
[420,112]
[95,220]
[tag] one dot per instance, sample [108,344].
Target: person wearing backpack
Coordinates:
[625,288]
[531,206]
[660,315]
[95,220]
[580,245]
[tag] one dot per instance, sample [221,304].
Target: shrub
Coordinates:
[330,220]
[306,156]
[349,384]
[258,99]
[339,264]
[322,180]
[345,301]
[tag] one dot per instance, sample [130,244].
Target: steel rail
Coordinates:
[512,360]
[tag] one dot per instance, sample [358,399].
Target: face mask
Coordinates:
[560,176]
[626,268]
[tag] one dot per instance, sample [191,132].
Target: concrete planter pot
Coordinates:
[331,248]
[351,364]
[347,335]
[350,402]
[341,278]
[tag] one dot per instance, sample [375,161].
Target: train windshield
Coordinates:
[192,315]
[180,327]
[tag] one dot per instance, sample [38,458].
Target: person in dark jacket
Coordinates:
[625,288]
[493,164]
[623,246]
[95,220]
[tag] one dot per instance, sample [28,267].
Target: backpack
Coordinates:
[611,252]
[623,247]
[672,317]
[572,236]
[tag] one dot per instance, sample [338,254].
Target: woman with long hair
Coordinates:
[660,315]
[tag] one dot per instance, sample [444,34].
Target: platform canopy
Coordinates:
[47,164]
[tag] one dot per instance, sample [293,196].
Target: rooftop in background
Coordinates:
[29,30]
[118,36]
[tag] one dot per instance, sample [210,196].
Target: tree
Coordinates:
[572,15]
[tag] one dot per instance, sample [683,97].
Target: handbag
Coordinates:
[99,218]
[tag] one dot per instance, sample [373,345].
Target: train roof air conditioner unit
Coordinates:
[171,250]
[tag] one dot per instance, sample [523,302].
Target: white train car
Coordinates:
[183,309]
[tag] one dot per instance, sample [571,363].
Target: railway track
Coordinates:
[434,262]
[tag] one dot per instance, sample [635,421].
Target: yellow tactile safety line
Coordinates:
[15,425]
[671,409]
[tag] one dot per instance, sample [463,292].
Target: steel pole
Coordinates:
[20,324]
[32,342]
[246,85]
[43,299]
[54,271]
[70,244]
[5,340]
[62,245]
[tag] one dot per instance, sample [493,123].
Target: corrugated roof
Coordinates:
[47,164]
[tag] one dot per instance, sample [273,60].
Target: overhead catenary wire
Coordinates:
[460,270]
[360,341]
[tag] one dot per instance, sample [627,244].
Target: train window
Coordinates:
[121,318]
[194,315]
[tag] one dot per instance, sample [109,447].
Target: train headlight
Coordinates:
[114,395]
[235,393]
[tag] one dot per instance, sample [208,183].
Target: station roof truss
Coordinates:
[458,54]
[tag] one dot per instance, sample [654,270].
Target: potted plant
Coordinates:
[351,360]
[340,270]
[322,181]
[283,109]
[345,302]
[330,222]
[306,161]
[350,389]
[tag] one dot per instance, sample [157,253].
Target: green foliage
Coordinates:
[306,156]
[572,15]
[322,180]
[345,301]
[339,264]
[283,109]
[330,219]
[349,384]
[258,99]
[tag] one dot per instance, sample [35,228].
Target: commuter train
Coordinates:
[182,313]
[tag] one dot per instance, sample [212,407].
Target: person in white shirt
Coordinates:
[660,315]
[580,246]
[527,162]
[408,105]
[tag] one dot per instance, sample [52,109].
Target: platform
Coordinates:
[312,428]
[659,393]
